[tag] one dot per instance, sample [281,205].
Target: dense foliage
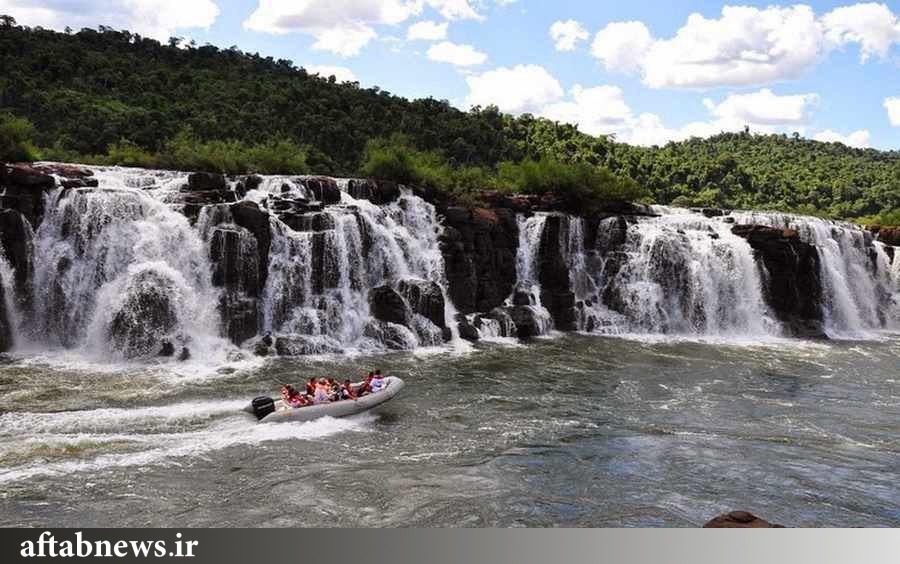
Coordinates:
[116,97]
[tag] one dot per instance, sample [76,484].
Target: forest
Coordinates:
[108,96]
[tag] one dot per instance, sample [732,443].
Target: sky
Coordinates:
[647,71]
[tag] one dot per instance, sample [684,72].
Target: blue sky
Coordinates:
[645,70]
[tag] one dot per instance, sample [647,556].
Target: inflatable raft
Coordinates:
[269,410]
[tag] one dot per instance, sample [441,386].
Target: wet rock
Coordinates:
[6,330]
[611,233]
[887,235]
[479,249]
[16,243]
[425,298]
[244,184]
[522,297]
[146,316]
[206,182]
[793,286]
[740,520]
[525,320]
[467,330]
[392,335]
[24,187]
[378,192]
[553,274]
[26,176]
[256,221]
[303,345]
[307,222]
[323,189]
[241,317]
[387,305]
[184,355]
[167,349]
[70,183]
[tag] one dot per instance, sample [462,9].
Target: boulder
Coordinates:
[306,222]
[467,330]
[322,188]
[392,335]
[241,317]
[146,316]
[256,221]
[24,186]
[739,520]
[387,305]
[27,176]
[302,345]
[205,182]
[553,272]
[378,192]
[525,320]
[793,286]
[425,298]
[887,235]
[15,240]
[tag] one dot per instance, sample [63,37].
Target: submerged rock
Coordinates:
[392,335]
[303,345]
[739,520]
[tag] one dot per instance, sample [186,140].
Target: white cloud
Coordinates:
[763,108]
[341,74]
[892,105]
[622,45]
[745,45]
[520,89]
[596,110]
[567,35]
[343,27]
[860,139]
[458,55]
[871,25]
[455,9]
[427,31]
[158,19]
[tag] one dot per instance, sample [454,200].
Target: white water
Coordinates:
[854,283]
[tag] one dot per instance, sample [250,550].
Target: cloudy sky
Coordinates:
[646,70]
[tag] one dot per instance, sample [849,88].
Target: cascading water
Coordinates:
[855,272]
[528,287]
[320,278]
[118,273]
[679,273]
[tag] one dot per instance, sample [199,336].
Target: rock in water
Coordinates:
[387,305]
[740,520]
[794,289]
[425,298]
[146,317]
[6,334]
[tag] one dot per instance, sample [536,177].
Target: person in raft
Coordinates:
[377,383]
[292,397]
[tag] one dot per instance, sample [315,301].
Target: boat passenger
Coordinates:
[321,393]
[377,383]
[292,397]
[334,389]
[347,390]
[311,387]
[366,386]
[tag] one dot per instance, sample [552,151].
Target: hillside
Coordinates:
[113,96]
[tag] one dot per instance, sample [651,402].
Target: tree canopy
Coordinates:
[105,95]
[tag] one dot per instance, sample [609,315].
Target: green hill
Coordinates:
[112,96]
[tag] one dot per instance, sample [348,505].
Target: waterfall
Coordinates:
[855,272]
[680,273]
[120,274]
[320,278]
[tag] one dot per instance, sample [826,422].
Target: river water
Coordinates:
[568,431]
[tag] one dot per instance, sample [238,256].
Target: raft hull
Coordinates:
[345,408]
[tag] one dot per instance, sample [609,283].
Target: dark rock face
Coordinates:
[887,235]
[323,189]
[425,298]
[525,320]
[6,333]
[376,191]
[479,248]
[391,335]
[793,286]
[147,316]
[740,520]
[205,182]
[387,305]
[467,331]
[556,293]
[256,221]
[301,345]
[15,238]
[24,187]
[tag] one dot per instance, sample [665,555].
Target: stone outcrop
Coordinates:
[887,235]
[425,298]
[740,520]
[387,305]
[376,191]
[479,247]
[793,286]
[6,329]
[140,327]
[556,289]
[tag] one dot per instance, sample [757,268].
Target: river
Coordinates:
[568,431]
